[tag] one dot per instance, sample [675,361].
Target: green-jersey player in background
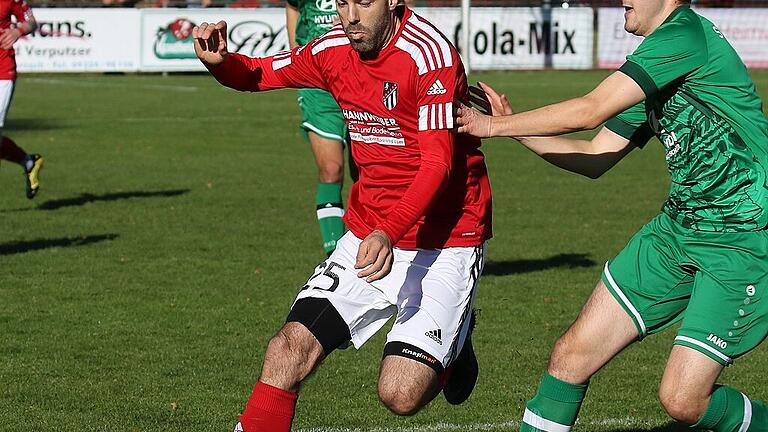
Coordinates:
[322,122]
[704,258]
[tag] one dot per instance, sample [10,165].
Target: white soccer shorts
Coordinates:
[6,93]
[432,292]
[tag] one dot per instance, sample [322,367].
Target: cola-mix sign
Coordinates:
[521,38]
[167,35]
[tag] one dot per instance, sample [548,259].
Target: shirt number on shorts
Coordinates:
[325,269]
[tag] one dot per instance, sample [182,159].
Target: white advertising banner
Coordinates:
[521,38]
[166,35]
[502,38]
[81,40]
[102,40]
[744,28]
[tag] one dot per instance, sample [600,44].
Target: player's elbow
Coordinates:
[589,114]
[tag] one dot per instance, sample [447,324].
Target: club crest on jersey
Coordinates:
[326,5]
[390,95]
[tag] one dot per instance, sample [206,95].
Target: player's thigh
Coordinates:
[435,295]
[329,157]
[6,94]
[650,278]
[728,312]
[355,308]
[321,115]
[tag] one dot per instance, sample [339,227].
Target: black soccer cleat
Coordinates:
[463,371]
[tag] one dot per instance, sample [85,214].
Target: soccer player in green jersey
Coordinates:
[322,121]
[704,258]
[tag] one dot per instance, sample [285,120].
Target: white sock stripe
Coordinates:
[705,346]
[538,422]
[329,212]
[747,414]
[625,300]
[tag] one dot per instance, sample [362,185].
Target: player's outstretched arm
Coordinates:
[210,43]
[590,158]
[614,95]
[288,69]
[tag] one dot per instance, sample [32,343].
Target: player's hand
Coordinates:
[9,37]
[374,256]
[488,101]
[210,42]
[471,121]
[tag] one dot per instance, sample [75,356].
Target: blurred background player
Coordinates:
[322,122]
[9,34]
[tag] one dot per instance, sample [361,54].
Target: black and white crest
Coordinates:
[390,95]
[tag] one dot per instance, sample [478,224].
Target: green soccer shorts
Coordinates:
[321,114]
[716,283]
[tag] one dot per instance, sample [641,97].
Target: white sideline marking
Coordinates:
[86,83]
[473,427]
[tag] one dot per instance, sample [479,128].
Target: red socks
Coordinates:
[11,152]
[269,409]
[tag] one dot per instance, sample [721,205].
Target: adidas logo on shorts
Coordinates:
[436,89]
[435,335]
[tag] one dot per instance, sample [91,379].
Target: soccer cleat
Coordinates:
[33,175]
[462,373]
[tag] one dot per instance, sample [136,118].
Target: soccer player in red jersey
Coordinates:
[9,34]
[419,214]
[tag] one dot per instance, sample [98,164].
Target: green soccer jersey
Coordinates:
[315,18]
[703,107]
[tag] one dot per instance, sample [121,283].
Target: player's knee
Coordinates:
[399,400]
[292,349]
[682,406]
[331,172]
[278,345]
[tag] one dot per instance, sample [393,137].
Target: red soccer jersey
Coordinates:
[21,10]
[421,183]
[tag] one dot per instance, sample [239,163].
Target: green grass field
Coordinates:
[176,223]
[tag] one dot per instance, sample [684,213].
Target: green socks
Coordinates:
[555,406]
[731,411]
[329,213]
